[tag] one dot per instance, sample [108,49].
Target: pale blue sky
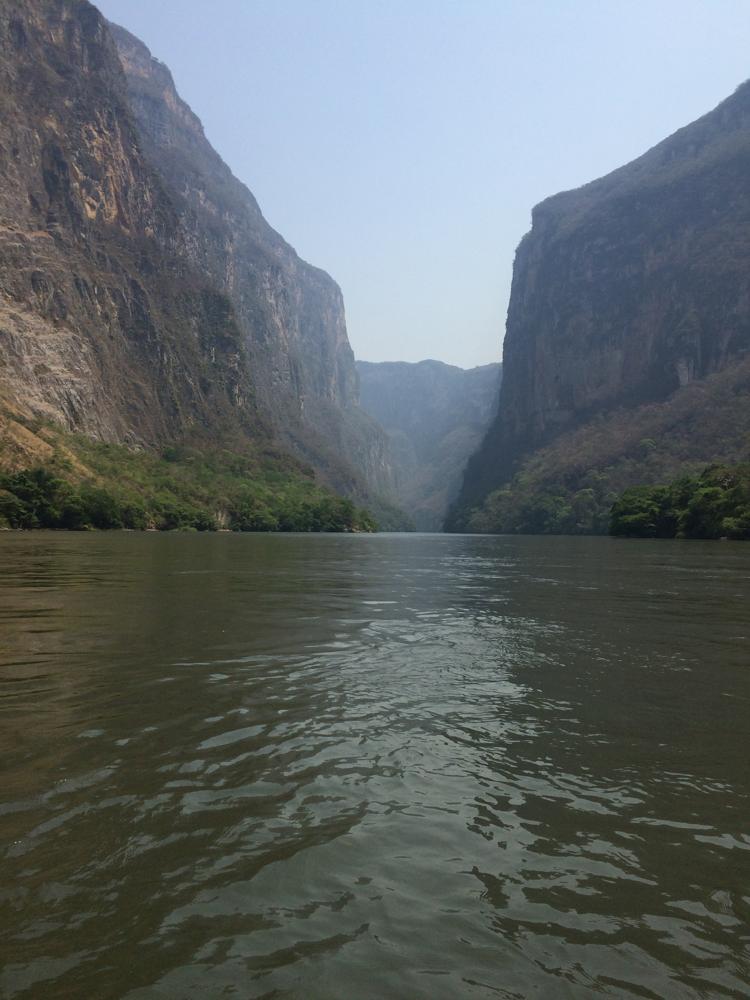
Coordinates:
[401,144]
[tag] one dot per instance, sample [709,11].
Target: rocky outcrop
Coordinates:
[435,415]
[143,297]
[623,292]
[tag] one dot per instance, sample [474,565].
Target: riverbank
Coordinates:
[84,485]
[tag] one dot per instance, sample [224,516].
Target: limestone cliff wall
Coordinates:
[143,297]
[104,326]
[291,313]
[624,291]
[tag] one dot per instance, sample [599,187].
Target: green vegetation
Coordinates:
[712,504]
[569,486]
[86,485]
[715,504]
[527,507]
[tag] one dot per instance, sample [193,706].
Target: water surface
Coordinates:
[346,767]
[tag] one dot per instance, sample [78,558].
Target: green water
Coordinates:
[346,767]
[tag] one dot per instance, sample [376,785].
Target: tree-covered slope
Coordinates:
[569,485]
[69,481]
[715,504]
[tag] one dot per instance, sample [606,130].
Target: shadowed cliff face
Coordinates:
[104,326]
[435,415]
[291,314]
[624,291]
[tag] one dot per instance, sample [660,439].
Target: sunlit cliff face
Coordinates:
[144,297]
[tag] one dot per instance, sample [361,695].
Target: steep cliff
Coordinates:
[291,314]
[435,415]
[624,292]
[143,298]
[105,327]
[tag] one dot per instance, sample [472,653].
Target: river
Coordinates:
[388,766]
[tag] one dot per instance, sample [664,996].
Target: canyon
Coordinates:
[435,415]
[146,305]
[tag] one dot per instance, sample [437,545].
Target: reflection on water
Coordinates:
[365,767]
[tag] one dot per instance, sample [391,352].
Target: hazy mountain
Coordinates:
[435,415]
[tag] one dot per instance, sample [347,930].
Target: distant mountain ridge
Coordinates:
[435,415]
[626,294]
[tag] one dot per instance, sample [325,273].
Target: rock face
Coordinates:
[623,292]
[143,297]
[291,314]
[435,415]
[105,326]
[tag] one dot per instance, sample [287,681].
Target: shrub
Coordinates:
[714,505]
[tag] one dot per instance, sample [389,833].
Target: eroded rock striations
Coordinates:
[435,415]
[105,326]
[291,314]
[625,293]
[143,297]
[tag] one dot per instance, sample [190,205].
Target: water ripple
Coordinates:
[365,767]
